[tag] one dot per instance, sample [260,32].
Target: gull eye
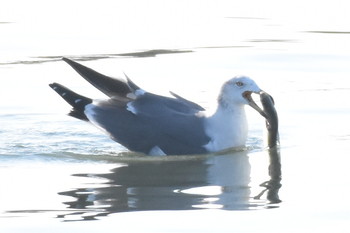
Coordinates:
[239,84]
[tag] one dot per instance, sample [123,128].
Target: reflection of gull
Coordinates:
[153,124]
[176,183]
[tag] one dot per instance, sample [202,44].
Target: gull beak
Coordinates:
[248,96]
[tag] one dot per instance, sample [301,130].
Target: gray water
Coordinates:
[57,173]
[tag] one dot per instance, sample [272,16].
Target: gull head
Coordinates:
[238,91]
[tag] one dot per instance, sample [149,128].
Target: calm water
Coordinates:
[57,173]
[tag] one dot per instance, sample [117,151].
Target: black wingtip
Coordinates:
[75,100]
[78,102]
[76,66]
[66,59]
[55,86]
[109,86]
[72,63]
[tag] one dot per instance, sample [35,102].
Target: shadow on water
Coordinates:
[174,183]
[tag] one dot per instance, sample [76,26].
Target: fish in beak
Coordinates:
[248,96]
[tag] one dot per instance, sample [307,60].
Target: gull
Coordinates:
[159,125]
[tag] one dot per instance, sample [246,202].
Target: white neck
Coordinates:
[227,128]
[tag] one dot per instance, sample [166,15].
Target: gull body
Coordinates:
[159,125]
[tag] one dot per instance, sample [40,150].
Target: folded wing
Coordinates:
[139,120]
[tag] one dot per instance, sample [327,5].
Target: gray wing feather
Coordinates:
[187,102]
[160,121]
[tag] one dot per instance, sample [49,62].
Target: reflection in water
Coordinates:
[168,183]
[274,184]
